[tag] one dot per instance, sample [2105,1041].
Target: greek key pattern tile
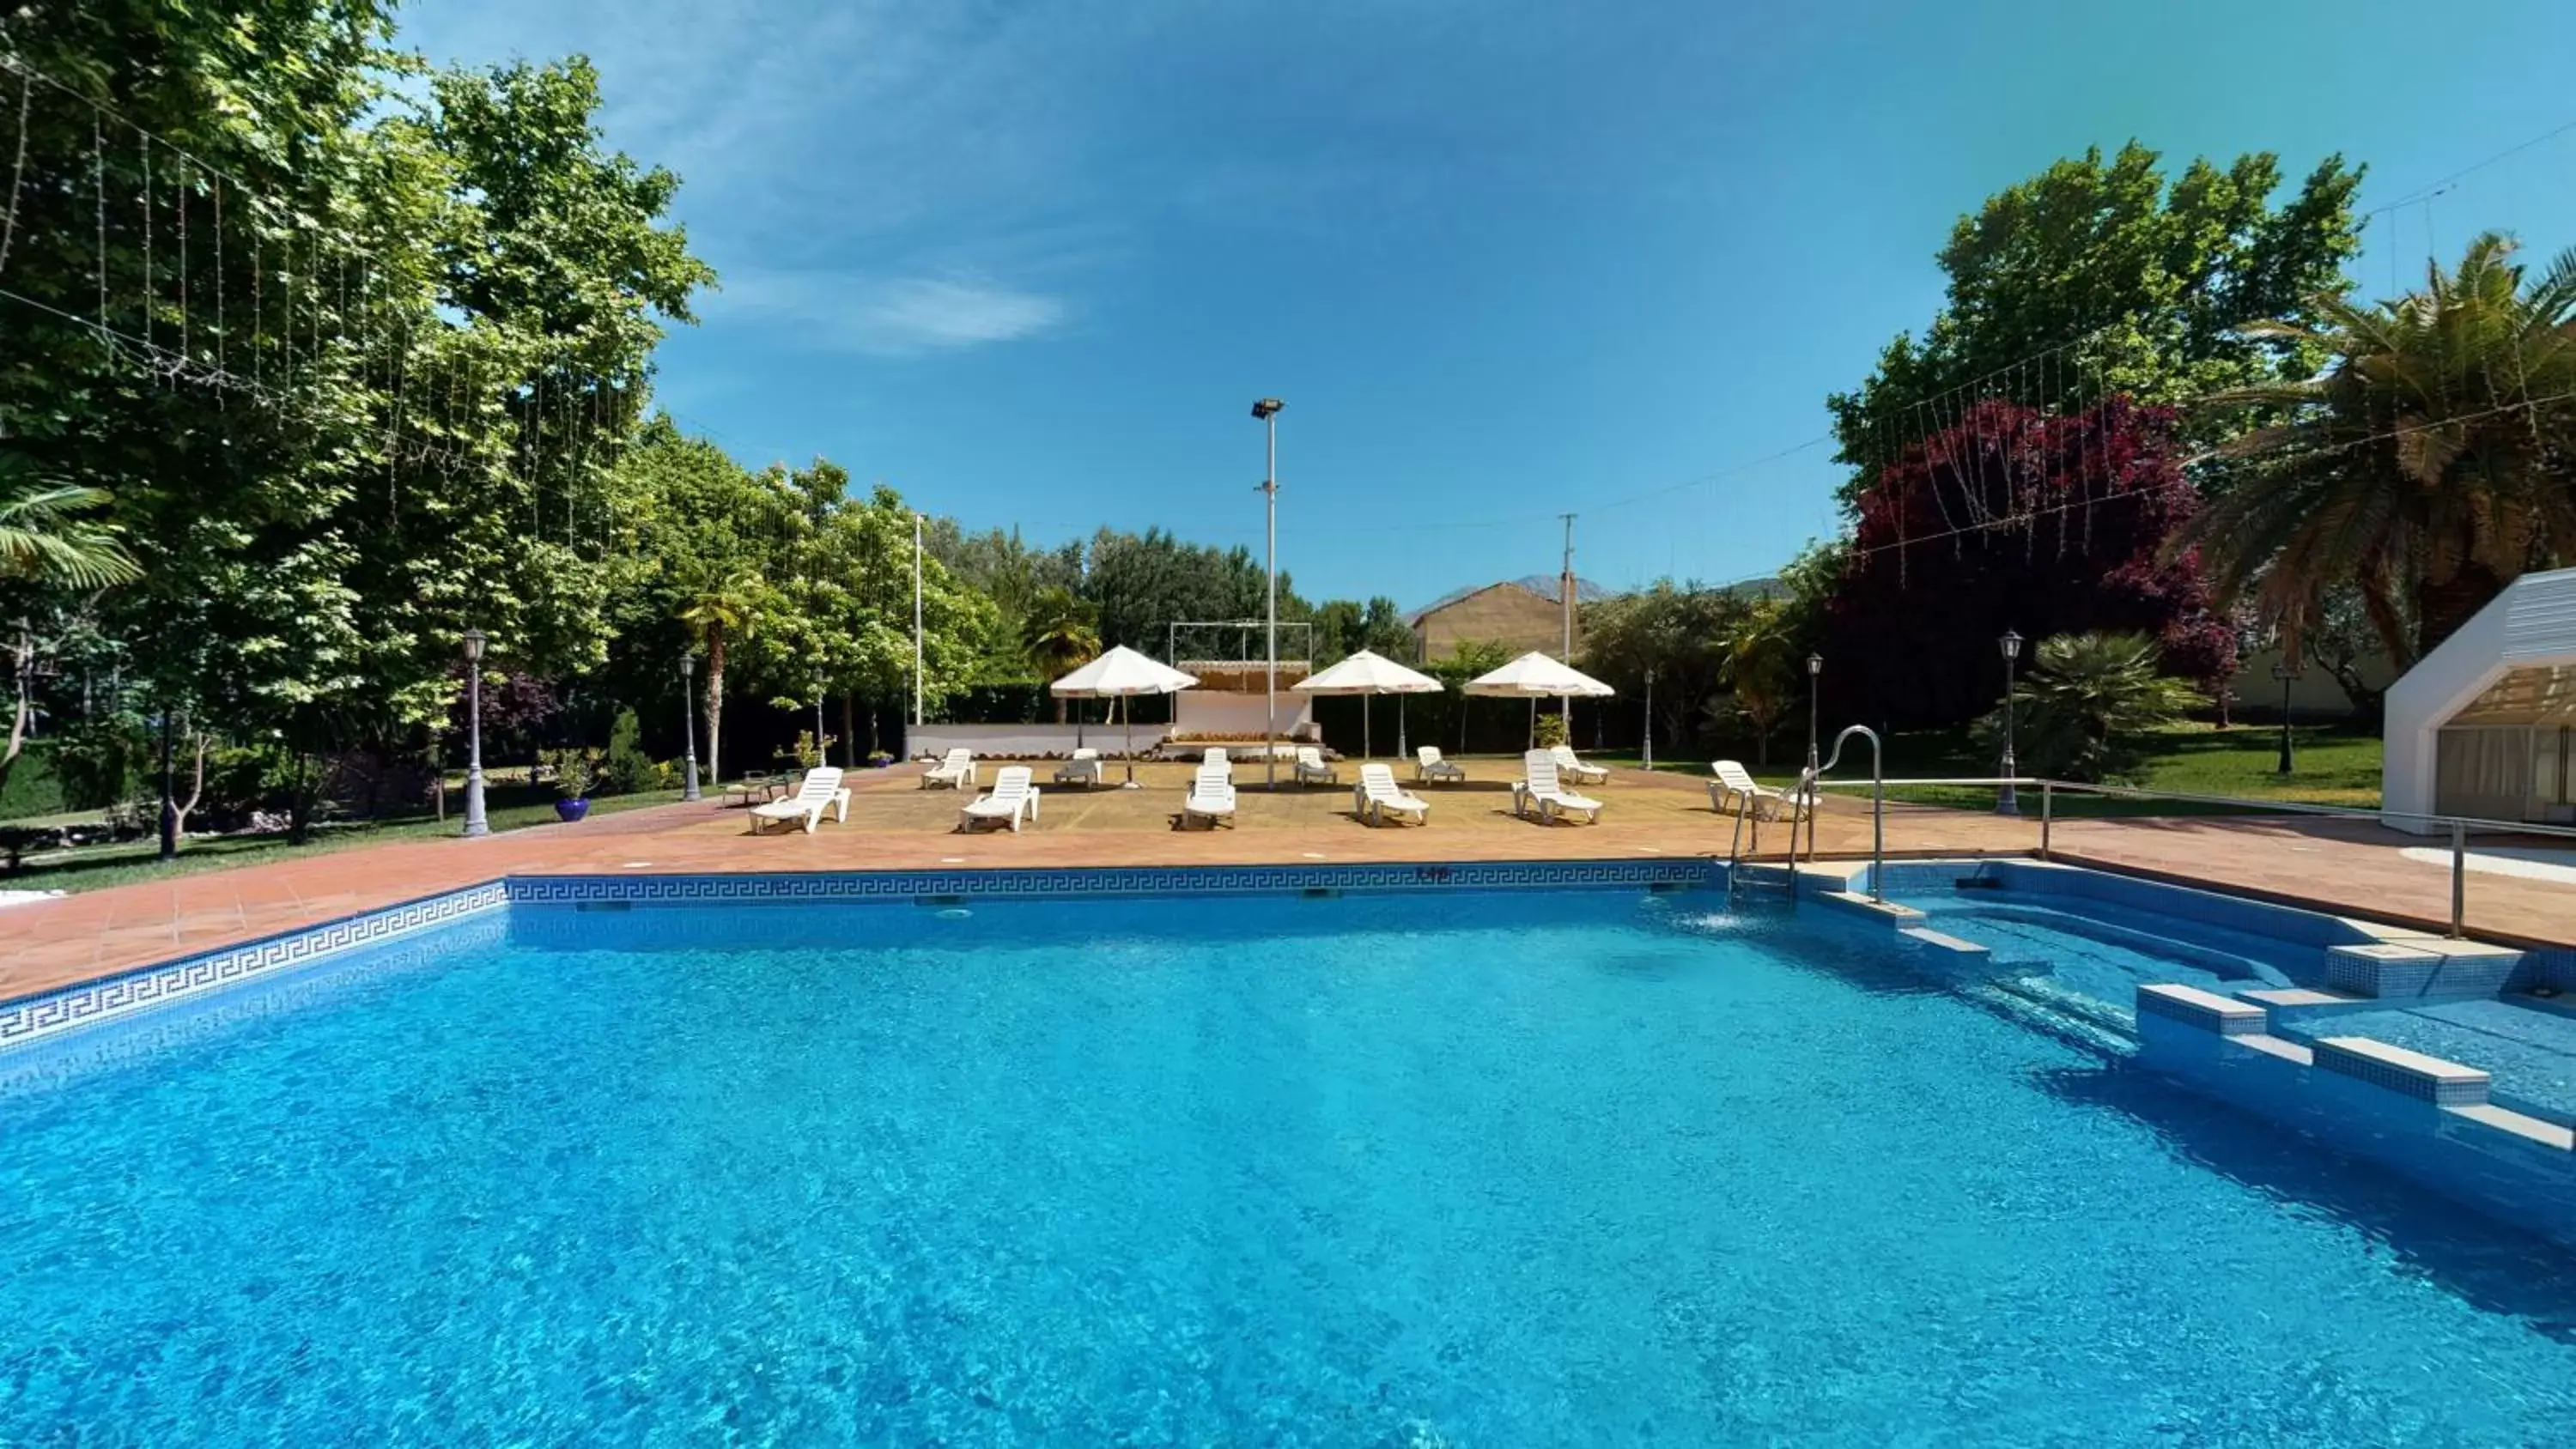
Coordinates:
[856,886]
[90,1003]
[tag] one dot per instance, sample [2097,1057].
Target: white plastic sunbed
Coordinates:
[1735,783]
[1213,755]
[1570,768]
[1311,767]
[820,790]
[1427,765]
[1211,796]
[1082,769]
[957,771]
[1377,795]
[1541,789]
[1011,800]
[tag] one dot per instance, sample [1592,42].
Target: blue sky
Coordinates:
[1032,263]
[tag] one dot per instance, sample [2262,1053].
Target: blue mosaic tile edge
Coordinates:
[897,885]
[40,1018]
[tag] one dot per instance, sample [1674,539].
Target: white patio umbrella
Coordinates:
[1365,674]
[1121,674]
[1534,676]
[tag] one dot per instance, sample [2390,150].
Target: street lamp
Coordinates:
[1815,668]
[822,751]
[688,724]
[475,824]
[2285,671]
[2006,803]
[1650,717]
[1267,412]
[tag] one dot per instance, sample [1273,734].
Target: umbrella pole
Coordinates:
[1127,714]
[1533,728]
[1400,750]
[1366,751]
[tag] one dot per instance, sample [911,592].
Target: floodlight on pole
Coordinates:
[1266,411]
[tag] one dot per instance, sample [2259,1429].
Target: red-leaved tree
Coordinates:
[2014,519]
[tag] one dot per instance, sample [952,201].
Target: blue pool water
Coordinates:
[2104,951]
[1475,1169]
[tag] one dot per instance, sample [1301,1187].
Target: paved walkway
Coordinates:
[896,825]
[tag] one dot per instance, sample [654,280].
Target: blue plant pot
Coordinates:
[571,810]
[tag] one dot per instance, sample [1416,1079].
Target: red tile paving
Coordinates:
[2348,867]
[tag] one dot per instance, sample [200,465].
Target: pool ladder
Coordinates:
[1740,877]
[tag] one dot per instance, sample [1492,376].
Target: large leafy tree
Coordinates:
[2152,278]
[1678,631]
[2429,465]
[2040,524]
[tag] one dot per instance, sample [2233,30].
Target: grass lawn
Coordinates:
[2331,765]
[94,867]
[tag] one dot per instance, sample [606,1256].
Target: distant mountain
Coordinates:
[1543,585]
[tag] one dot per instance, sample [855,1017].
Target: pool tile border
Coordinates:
[901,885]
[70,1008]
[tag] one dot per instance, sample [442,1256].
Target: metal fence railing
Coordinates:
[2455,828]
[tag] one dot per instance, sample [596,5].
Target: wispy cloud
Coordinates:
[890,317]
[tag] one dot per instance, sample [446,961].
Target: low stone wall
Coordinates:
[1033,741]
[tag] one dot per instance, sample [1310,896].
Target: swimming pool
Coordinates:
[1465,1167]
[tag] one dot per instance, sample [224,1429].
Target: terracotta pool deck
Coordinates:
[2348,867]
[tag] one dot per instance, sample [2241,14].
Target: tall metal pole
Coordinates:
[475,823]
[688,726]
[1565,603]
[915,621]
[1649,752]
[2285,673]
[1267,410]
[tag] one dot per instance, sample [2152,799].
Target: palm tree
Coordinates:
[2431,463]
[46,535]
[1758,660]
[718,602]
[1059,635]
[2086,704]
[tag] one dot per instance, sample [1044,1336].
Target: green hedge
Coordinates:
[33,790]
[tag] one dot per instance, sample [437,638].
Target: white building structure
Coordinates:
[2485,725]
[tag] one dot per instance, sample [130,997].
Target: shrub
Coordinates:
[628,770]
[1551,729]
[575,771]
[807,754]
[2086,704]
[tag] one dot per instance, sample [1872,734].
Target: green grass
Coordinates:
[95,867]
[2331,765]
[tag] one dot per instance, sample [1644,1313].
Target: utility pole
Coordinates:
[1267,412]
[1565,600]
[916,626]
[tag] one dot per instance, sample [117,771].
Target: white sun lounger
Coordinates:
[1570,768]
[957,771]
[820,790]
[1377,795]
[1083,769]
[1011,800]
[1734,783]
[1311,767]
[1427,765]
[1541,789]
[1211,796]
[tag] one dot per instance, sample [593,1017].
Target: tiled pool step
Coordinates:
[2422,967]
[2200,1035]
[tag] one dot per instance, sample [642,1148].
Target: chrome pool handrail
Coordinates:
[1812,778]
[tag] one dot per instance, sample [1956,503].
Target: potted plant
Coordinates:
[575,773]
[879,759]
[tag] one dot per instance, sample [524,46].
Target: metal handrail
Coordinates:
[2458,826]
[1812,778]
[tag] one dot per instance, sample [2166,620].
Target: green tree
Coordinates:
[2427,467]
[1058,637]
[2152,283]
[720,604]
[1676,630]
[51,534]
[1758,653]
[2087,703]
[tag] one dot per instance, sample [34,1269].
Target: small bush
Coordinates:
[1551,730]
[575,771]
[628,770]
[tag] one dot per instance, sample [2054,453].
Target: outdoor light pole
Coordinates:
[688,726]
[1267,411]
[2006,803]
[1649,751]
[1815,673]
[916,623]
[822,752]
[2285,671]
[475,824]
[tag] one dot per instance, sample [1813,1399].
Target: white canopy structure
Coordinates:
[1122,674]
[1367,673]
[2485,725]
[1535,676]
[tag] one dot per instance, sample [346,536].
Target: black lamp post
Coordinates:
[1815,669]
[2006,802]
[475,824]
[688,726]
[2285,672]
